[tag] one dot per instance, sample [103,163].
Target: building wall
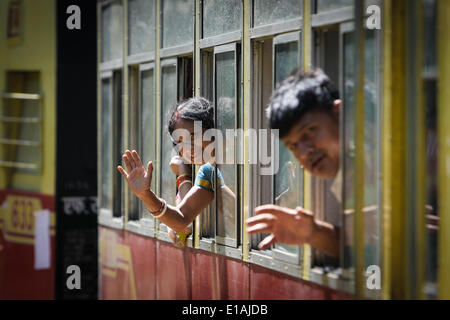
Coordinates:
[36,52]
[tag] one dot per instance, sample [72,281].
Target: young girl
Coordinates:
[191,200]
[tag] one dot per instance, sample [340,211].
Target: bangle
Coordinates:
[184,175]
[182,179]
[161,211]
[185,181]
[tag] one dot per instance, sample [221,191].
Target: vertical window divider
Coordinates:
[126,108]
[197,80]
[307,51]
[444,148]
[158,108]
[246,199]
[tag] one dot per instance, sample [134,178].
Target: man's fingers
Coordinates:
[260,228]
[271,208]
[127,162]
[136,158]
[265,217]
[122,171]
[130,158]
[267,242]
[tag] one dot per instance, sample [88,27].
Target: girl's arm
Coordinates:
[139,181]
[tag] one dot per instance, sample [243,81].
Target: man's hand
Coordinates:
[287,226]
[137,178]
[179,167]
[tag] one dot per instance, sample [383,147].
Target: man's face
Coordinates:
[314,141]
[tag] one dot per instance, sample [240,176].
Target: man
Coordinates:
[305,110]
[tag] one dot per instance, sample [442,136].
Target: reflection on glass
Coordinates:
[328,5]
[148,123]
[112,32]
[177,22]
[141,31]
[106,145]
[220,17]
[287,180]
[226,119]
[169,99]
[265,12]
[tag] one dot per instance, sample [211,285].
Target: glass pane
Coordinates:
[141,31]
[372,153]
[328,5]
[226,119]
[148,123]
[221,16]
[287,180]
[169,99]
[371,147]
[177,22]
[106,145]
[112,32]
[349,146]
[268,11]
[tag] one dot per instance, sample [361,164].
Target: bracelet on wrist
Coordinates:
[184,182]
[182,179]
[158,214]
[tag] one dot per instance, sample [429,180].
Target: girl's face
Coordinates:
[189,144]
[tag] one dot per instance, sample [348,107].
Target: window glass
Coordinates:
[226,119]
[169,99]
[371,146]
[328,5]
[148,123]
[372,154]
[141,30]
[287,180]
[349,146]
[221,16]
[106,144]
[112,32]
[265,12]
[177,22]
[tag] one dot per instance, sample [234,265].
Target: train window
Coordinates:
[106,144]
[324,203]
[273,60]
[141,26]
[111,144]
[20,123]
[220,17]
[148,123]
[177,22]
[288,181]
[372,143]
[112,31]
[329,5]
[266,13]
[227,117]
[168,100]
[176,85]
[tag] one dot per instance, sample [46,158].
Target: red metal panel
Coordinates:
[267,284]
[173,272]
[18,277]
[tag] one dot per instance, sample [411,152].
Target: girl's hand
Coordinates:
[179,167]
[137,178]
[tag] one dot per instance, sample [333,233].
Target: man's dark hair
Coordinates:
[194,109]
[297,95]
